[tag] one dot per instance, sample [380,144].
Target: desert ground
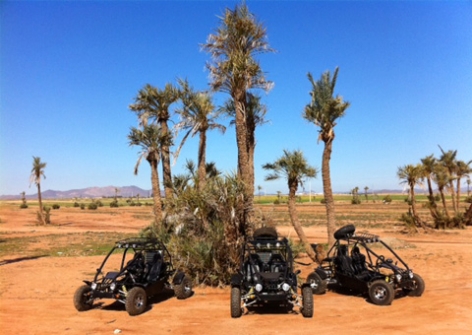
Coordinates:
[37,287]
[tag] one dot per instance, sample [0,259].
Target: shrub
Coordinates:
[387,199]
[114,203]
[323,201]
[82,206]
[468,199]
[92,205]
[23,206]
[56,206]
[356,201]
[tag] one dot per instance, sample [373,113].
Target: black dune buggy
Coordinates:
[145,269]
[267,276]
[354,262]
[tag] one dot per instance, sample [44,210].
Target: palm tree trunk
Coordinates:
[40,201]
[156,194]
[166,169]
[296,224]
[453,195]
[328,191]
[202,161]
[443,199]
[243,159]
[458,189]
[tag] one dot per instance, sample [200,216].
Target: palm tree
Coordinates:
[366,188]
[463,169]
[36,173]
[441,178]
[324,110]
[295,168]
[448,160]
[411,175]
[150,138]
[198,116]
[429,163]
[468,186]
[234,70]
[153,104]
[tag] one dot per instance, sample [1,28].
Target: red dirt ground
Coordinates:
[36,294]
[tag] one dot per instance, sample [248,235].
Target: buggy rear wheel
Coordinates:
[236,310]
[136,301]
[184,289]
[82,298]
[318,285]
[307,302]
[381,293]
[417,286]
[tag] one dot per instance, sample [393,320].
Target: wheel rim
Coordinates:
[139,301]
[380,293]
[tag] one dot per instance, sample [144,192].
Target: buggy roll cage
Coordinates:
[364,239]
[138,245]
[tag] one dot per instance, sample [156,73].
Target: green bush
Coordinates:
[468,199]
[92,206]
[387,199]
[323,201]
[114,203]
[56,206]
[76,204]
[23,206]
[82,206]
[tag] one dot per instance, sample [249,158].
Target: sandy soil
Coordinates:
[36,294]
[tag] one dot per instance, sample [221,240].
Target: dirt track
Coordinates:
[36,294]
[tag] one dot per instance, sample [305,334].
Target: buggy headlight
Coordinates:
[410,274]
[258,287]
[285,287]
[93,286]
[399,277]
[112,286]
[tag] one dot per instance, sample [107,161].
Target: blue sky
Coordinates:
[70,69]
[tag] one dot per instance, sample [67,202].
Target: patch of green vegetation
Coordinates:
[60,245]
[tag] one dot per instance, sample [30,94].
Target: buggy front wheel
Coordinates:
[307,302]
[136,301]
[82,298]
[184,289]
[318,285]
[417,286]
[236,310]
[381,293]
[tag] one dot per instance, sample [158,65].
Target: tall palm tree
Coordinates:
[150,138]
[411,175]
[36,173]
[153,104]
[235,70]
[198,116]
[324,110]
[463,169]
[448,160]
[295,168]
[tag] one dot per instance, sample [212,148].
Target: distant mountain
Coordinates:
[89,192]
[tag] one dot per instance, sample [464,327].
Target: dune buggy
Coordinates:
[354,262]
[266,276]
[145,269]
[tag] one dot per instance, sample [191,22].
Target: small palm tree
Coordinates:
[198,116]
[36,173]
[448,160]
[324,110]
[463,169]
[153,104]
[295,168]
[150,138]
[411,175]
